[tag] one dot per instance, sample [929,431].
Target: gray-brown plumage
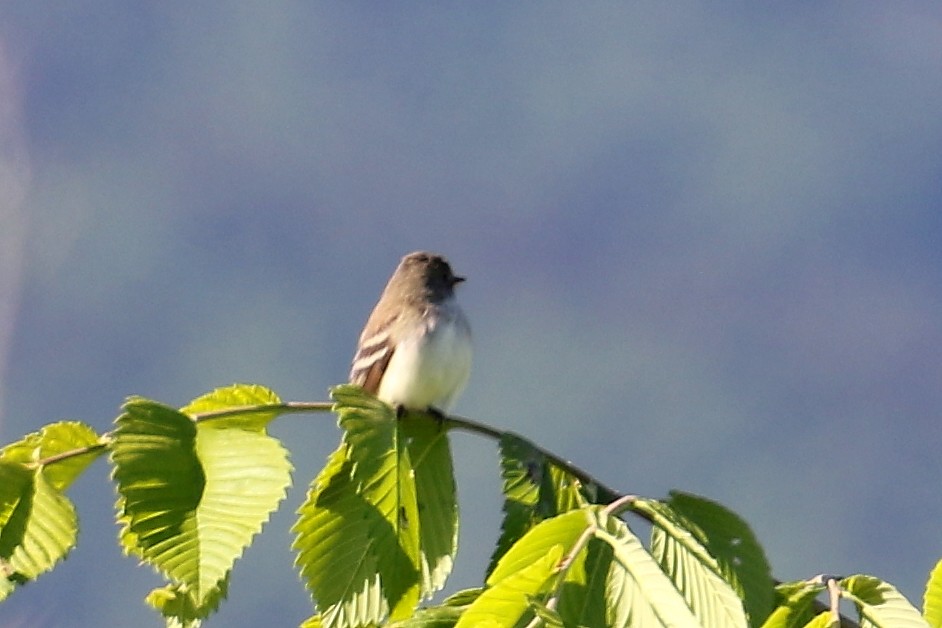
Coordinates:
[415,350]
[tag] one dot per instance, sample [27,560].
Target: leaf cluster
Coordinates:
[376,536]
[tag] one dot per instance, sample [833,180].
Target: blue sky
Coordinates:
[702,242]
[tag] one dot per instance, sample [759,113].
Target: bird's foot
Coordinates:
[438,415]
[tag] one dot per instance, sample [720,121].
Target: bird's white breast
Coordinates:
[430,369]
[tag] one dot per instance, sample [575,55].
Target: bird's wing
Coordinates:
[372,357]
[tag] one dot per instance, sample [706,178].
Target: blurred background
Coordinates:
[703,243]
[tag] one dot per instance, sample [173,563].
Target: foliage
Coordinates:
[193,494]
[38,524]
[376,536]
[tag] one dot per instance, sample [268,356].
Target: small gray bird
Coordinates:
[415,351]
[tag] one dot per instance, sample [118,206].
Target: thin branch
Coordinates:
[834,594]
[624,501]
[289,407]
[604,493]
[72,453]
[563,568]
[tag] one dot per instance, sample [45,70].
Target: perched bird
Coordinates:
[415,351]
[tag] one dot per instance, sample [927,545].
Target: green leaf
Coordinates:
[383,474]
[932,600]
[54,440]
[462,598]
[548,617]
[160,480]
[562,531]
[38,525]
[796,606]
[237,396]
[583,593]
[560,492]
[638,592]
[192,495]
[443,616]
[6,584]
[684,558]
[521,470]
[728,539]
[880,604]
[16,507]
[336,533]
[565,531]
[358,534]
[435,617]
[507,601]
[176,603]
[437,500]
[333,541]
[824,619]
[534,489]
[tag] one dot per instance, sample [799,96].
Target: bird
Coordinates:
[415,350]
